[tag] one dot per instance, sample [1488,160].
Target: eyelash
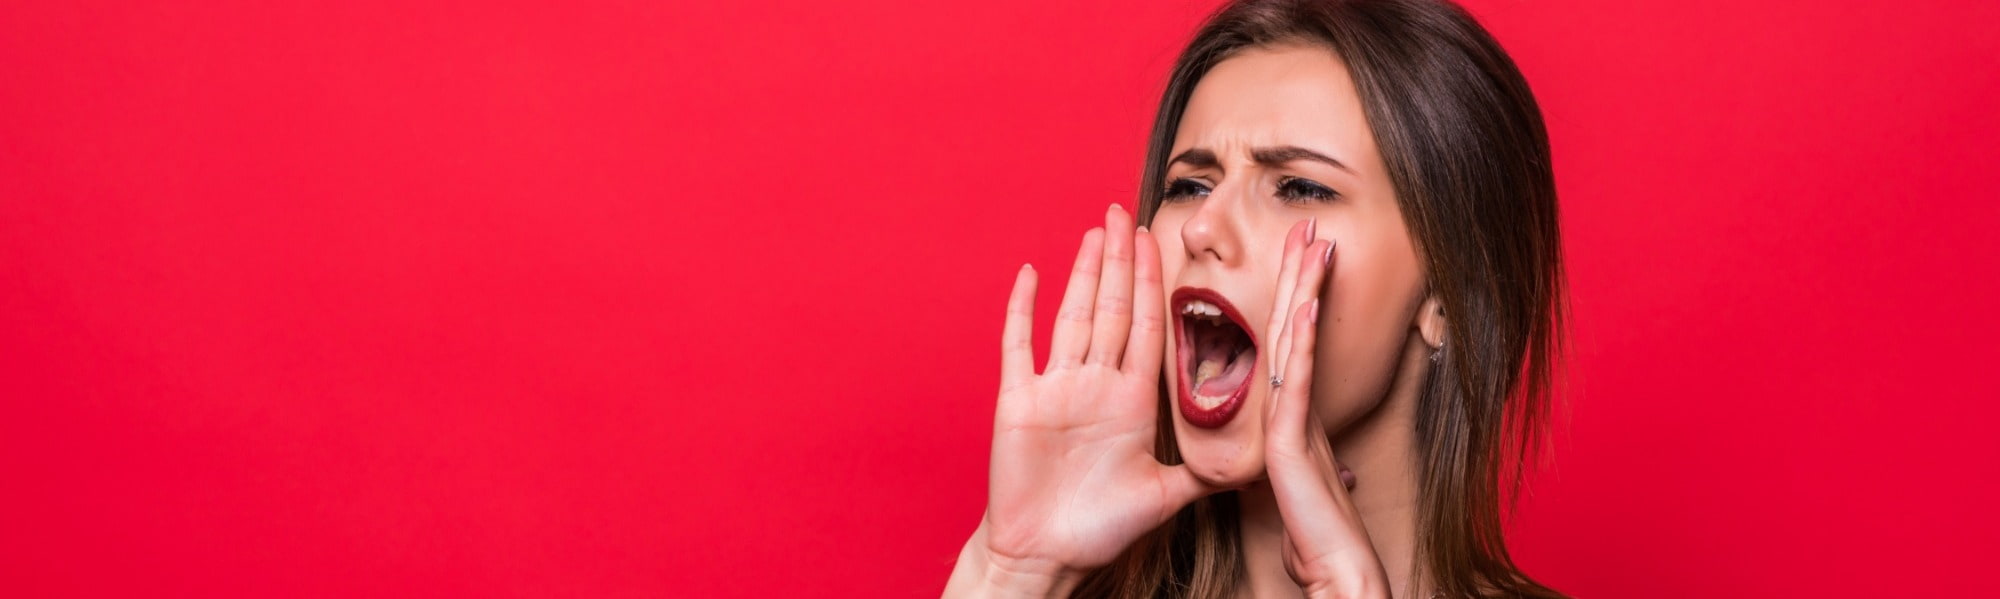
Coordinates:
[1294,190]
[1181,189]
[1291,190]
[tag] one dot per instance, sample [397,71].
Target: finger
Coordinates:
[1317,512]
[1112,319]
[1288,422]
[1274,342]
[1274,326]
[1072,331]
[1017,338]
[1149,315]
[1321,522]
[1314,262]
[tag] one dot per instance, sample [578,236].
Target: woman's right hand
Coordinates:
[1073,479]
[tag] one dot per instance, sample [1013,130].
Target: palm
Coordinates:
[1073,476]
[1073,452]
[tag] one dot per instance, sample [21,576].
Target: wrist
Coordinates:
[1359,584]
[1010,577]
[982,572]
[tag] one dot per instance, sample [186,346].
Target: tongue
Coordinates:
[1220,370]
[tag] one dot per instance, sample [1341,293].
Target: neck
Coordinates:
[1380,448]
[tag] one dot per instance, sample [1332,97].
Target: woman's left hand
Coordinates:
[1327,550]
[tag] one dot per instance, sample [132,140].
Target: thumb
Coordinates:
[1180,487]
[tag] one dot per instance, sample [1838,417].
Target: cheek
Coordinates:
[1173,252]
[1361,345]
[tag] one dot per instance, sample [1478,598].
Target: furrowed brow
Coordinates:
[1283,154]
[1196,157]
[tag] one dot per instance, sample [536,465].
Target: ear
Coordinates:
[1431,322]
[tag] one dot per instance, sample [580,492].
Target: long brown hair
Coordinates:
[1468,155]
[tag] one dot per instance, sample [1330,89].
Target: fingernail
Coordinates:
[1142,228]
[1312,313]
[1312,228]
[1115,206]
[1326,257]
[1027,267]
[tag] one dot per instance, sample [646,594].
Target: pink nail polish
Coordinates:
[1326,258]
[1312,313]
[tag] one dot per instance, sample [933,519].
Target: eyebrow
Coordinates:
[1273,156]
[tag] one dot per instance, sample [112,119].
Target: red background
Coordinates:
[702,299]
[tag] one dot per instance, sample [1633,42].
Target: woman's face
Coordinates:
[1273,136]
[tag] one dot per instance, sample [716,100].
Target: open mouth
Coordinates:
[1217,354]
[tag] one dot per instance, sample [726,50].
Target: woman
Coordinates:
[1347,297]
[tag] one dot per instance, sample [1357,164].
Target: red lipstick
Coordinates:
[1216,354]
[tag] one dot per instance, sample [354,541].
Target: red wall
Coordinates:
[702,299]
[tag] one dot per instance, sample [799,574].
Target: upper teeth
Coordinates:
[1202,309]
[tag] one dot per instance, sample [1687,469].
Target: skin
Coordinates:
[1073,481]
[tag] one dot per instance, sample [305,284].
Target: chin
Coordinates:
[1230,456]
[1217,405]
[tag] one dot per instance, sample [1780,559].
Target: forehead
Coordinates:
[1269,96]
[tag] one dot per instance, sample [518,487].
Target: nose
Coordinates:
[1214,232]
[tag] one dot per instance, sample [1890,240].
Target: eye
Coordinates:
[1293,190]
[1183,188]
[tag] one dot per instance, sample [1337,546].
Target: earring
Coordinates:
[1437,354]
